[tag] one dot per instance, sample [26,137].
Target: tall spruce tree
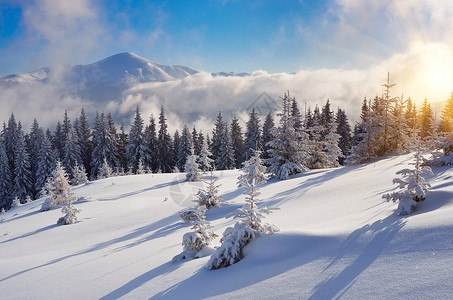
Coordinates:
[225,159]
[150,136]
[288,148]
[165,161]
[83,131]
[266,136]
[6,183]
[344,130]
[23,186]
[135,148]
[122,142]
[297,116]
[185,147]
[252,134]
[46,160]
[237,141]
[71,152]
[427,125]
[217,135]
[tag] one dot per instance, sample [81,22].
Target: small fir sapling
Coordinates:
[105,170]
[191,167]
[141,167]
[16,202]
[70,216]
[250,224]
[80,175]
[201,237]
[413,186]
[58,188]
[209,197]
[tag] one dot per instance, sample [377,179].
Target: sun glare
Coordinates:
[434,69]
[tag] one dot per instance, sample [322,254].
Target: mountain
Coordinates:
[104,80]
[338,239]
[124,69]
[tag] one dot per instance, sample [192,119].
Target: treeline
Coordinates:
[318,139]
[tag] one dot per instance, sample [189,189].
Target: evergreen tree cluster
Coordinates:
[318,138]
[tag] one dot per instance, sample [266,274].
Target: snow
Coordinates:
[337,238]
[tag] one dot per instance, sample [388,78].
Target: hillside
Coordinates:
[338,238]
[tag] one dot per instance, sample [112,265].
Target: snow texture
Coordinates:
[337,239]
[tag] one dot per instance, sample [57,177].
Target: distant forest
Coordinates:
[290,142]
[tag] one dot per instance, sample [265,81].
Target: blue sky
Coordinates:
[327,49]
[212,35]
[229,35]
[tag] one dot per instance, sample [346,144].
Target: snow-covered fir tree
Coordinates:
[150,136]
[225,158]
[266,136]
[45,164]
[332,149]
[83,131]
[237,141]
[252,134]
[201,236]
[164,144]
[251,223]
[288,147]
[427,125]
[209,197]
[197,143]
[191,167]
[317,145]
[70,214]
[16,202]
[33,144]
[412,186]
[135,148]
[23,185]
[217,136]
[71,152]
[296,115]
[104,141]
[344,130]
[79,175]
[5,178]
[205,161]
[141,167]
[122,142]
[10,138]
[105,170]
[58,188]
[365,146]
[185,147]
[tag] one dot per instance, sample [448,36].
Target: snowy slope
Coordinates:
[337,238]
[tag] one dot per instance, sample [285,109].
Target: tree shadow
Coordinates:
[268,257]
[160,226]
[140,280]
[30,233]
[133,193]
[381,234]
[310,183]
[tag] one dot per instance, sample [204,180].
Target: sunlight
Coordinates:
[429,72]
[438,77]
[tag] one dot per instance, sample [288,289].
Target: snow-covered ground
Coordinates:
[338,238]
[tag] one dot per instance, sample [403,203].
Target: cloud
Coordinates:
[61,31]
[196,100]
